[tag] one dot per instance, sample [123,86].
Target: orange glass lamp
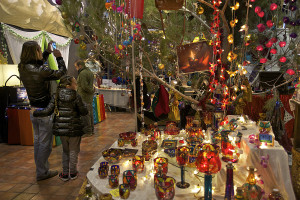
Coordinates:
[208,162]
[182,158]
[251,190]
[195,134]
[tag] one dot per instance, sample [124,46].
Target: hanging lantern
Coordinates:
[282,59]
[76,41]
[200,10]
[269,23]
[236,6]
[231,56]
[282,43]
[293,35]
[64,15]
[286,20]
[273,51]
[261,27]
[269,44]
[290,72]
[293,8]
[259,48]
[161,66]
[273,6]
[230,39]
[233,22]
[261,14]
[257,9]
[263,60]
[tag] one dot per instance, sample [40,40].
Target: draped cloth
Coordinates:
[15,39]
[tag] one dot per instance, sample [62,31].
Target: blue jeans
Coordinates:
[43,138]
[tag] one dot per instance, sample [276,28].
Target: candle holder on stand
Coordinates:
[229,189]
[182,158]
[208,162]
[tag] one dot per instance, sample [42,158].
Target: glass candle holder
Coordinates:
[134,142]
[161,165]
[104,164]
[121,142]
[113,181]
[103,172]
[165,188]
[124,191]
[130,178]
[115,170]
[182,158]
[138,164]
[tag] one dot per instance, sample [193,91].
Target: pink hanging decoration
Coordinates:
[282,59]
[273,51]
[269,23]
[282,43]
[290,72]
[263,60]
[274,40]
[252,0]
[273,6]
[257,9]
[261,14]
[261,27]
[259,48]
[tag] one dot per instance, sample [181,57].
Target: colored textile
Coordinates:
[160,104]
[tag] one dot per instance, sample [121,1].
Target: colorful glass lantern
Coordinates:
[161,165]
[112,155]
[251,190]
[138,164]
[208,162]
[189,121]
[103,172]
[194,150]
[217,119]
[182,158]
[275,195]
[171,128]
[121,142]
[113,181]
[207,118]
[239,194]
[104,164]
[229,189]
[134,142]
[194,133]
[264,126]
[124,191]
[115,170]
[130,178]
[165,188]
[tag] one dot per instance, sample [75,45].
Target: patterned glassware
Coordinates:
[134,142]
[161,165]
[113,181]
[275,195]
[121,142]
[207,118]
[124,191]
[189,121]
[112,155]
[104,164]
[149,147]
[251,190]
[103,172]
[228,149]
[138,164]
[165,188]
[182,158]
[115,170]
[130,178]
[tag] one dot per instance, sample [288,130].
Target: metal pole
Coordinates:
[133,77]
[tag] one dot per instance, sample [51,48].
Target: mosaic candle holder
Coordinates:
[138,164]
[165,188]
[113,181]
[104,164]
[182,158]
[130,178]
[134,142]
[161,165]
[103,172]
[121,142]
[124,191]
[112,155]
[115,170]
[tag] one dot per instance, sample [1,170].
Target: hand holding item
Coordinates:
[49,49]
[56,53]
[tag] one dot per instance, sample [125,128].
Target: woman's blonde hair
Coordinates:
[29,52]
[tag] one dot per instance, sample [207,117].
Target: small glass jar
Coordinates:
[275,195]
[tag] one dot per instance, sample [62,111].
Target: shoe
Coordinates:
[63,177]
[49,175]
[87,135]
[73,176]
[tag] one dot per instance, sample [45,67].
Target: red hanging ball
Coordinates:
[76,41]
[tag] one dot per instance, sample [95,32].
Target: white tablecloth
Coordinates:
[276,175]
[115,97]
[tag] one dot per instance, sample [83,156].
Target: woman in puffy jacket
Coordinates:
[67,106]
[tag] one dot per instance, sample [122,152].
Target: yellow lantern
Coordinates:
[231,56]
[230,39]
[161,66]
[233,22]
[200,10]
[236,6]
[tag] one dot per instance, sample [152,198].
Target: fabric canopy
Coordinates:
[15,39]
[33,14]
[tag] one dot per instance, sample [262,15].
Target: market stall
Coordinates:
[271,163]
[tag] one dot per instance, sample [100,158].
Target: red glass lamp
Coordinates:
[182,158]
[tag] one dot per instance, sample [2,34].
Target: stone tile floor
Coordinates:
[17,168]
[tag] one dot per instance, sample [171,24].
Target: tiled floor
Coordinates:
[17,168]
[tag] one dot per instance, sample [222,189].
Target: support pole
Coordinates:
[133,77]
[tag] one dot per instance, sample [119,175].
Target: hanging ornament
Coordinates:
[261,14]
[293,35]
[263,60]
[94,37]
[77,25]
[259,48]
[108,5]
[261,27]
[64,15]
[269,44]
[233,22]
[282,43]
[290,72]
[83,46]
[169,73]
[76,41]
[257,9]
[282,59]
[161,66]
[273,6]
[293,8]
[230,39]
[286,20]
[236,6]
[58,2]
[269,23]
[273,51]
[231,56]
[81,37]
[200,10]
[273,40]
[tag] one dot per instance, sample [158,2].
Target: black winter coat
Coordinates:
[36,78]
[70,107]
